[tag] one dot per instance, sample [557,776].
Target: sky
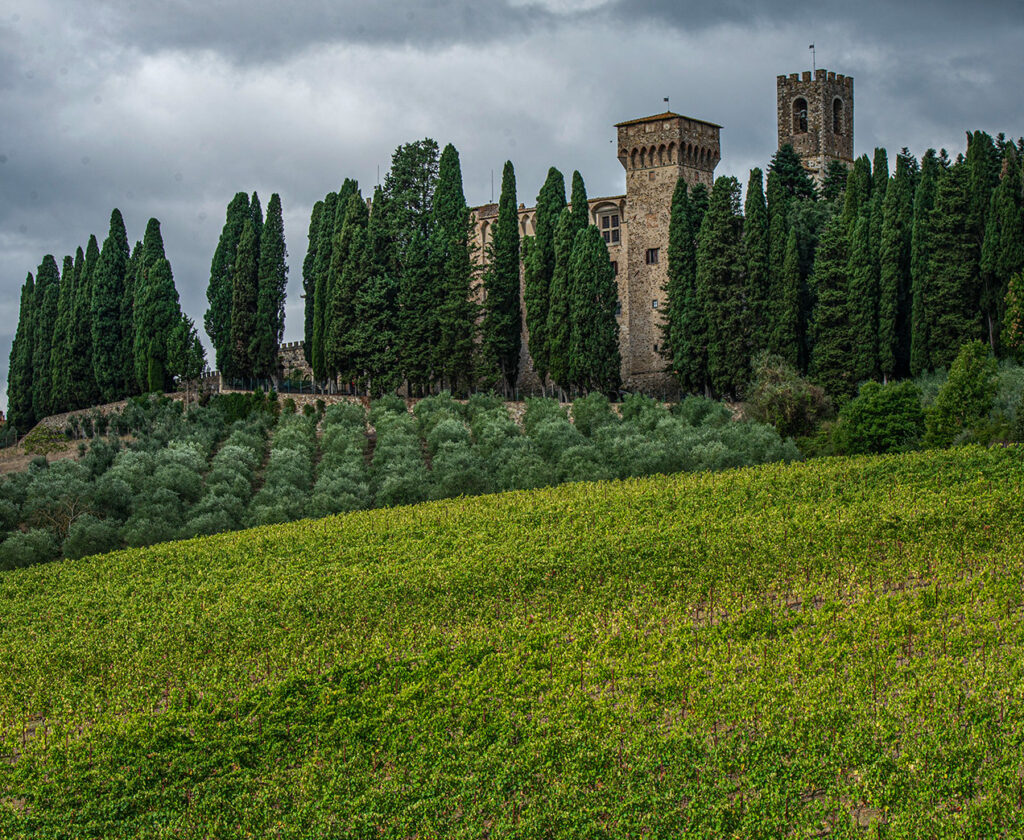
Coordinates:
[168,109]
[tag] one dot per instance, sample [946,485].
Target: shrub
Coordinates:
[90,535]
[288,406]
[459,471]
[9,515]
[448,431]
[882,418]
[780,396]
[43,440]
[540,410]
[308,410]
[554,436]
[28,548]
[591,412]
[643,411]
[582,462]
[966,398]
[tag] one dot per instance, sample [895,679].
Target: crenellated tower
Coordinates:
[816,117]
[655,152]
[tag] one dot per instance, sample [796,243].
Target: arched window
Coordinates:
[671,152]
[800,116]
[662,159]
[837,116]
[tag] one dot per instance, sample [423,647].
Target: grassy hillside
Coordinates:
[780,651]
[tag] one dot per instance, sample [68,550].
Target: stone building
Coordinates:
[816,118]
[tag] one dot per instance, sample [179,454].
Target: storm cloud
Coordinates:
[168,109]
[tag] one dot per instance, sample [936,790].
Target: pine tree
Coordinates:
[1002,253]
[684,330]
[560,326]
[832,341]
[756,260]
[19,372]
[924,201]
[596,363]
[794,178]
[220,290]
[502,333]
[309,280]
[862,304]
[273,283]
[785,336]
[953,282]
[157,316]
[47,293]
[456,313]
[342,287]
[894,271]
[244,299]
[541,266]
[147,310]
[60,374]
[108,293]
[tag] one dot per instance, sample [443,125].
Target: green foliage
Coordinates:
[894,251]
[502,334]
[778,395]
[832,339]
[245,299]
[539,265]
[220,290]
[1013,316]
[756,257]
[924,202]
[591,413]
[1002,253]
[273,281]
[27,548]
[19,371]
[595,363]
[47,294]
[89,535]
[863,303]
[560,323]
[793,178]
[685,326]
[966,397]
[108,291]
[881,419]
[43,440]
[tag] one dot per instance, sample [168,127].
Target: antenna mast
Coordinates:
[814,59]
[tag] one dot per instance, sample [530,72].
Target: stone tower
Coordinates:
[816,118]
[655,152]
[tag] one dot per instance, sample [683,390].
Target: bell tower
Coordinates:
[816,118]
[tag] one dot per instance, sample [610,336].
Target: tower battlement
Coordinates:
[815,116]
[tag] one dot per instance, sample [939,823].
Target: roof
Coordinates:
[668,115]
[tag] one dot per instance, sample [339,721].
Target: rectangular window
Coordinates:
[606,222]
[615,236]
[654,304]
[652,256]
[618,309]
[615,268]
[655,348]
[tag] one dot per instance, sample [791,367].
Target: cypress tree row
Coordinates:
[1002,252]
[19,372]
[595,360]
[271,287]
[502,315]
[756,259]
[221,288]
[684,329]
[720,288]
[924,201]
[540,267]
[456,313]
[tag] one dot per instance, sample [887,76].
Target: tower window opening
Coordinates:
[652,256]
[800,116]
[837,116]
[610,228]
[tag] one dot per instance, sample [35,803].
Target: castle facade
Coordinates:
[815,116]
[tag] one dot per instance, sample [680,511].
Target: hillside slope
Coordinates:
[833,647]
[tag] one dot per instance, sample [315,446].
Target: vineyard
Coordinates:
[831,648]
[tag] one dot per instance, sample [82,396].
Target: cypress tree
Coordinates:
[699,200]
[858,193]
[579,203]
[131,381]
[186,356]
[792,175]
[244,299]
[894,271]
[456,313]
[321,268]
[19,376]
[256,214]
[416,302]
[147,310]
[720,288]
[833,185]
[272,284]
[375,335]
[83,381]
[596,362]
[342,287]
[158,315]
[108,292]
[220,290]
[1002,252]
[560,325]
[684,330]
[862,304]
[309,280]
[953,282]
[502,332]
[540,267]
[47,293]
[785,335]
[831,338]
[924,201]
[984,164]
[60,373]
[756,259]
[778,228]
